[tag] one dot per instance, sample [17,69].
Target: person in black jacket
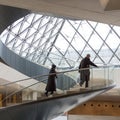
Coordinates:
[51,85]
[85,74]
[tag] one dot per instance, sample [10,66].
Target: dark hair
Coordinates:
[88,55]
[53,66]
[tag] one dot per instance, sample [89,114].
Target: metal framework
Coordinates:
[47,39]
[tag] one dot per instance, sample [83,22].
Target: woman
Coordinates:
[51,85]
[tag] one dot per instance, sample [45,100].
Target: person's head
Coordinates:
[53,66]
[88,55]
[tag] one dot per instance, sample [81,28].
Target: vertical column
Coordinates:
[1,96]
[15,98]
[34,95]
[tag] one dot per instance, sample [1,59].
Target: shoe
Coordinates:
[80,84]
[46,94]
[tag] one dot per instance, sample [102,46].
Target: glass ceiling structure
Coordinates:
[46,39]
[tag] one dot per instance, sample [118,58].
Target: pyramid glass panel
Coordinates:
[47,39]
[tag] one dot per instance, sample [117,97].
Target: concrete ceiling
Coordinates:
[105,11]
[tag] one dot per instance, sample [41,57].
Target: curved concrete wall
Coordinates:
[8,15]
[31,69]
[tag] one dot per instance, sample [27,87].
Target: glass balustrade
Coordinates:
[67,82]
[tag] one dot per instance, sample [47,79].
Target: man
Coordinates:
[85,74]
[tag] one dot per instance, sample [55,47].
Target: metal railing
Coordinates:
[31,89]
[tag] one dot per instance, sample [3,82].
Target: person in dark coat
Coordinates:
[85,74]
[51,84]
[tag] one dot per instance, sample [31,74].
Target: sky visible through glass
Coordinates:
[46,40]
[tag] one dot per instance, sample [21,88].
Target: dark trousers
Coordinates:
[86,83]
[85,78]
